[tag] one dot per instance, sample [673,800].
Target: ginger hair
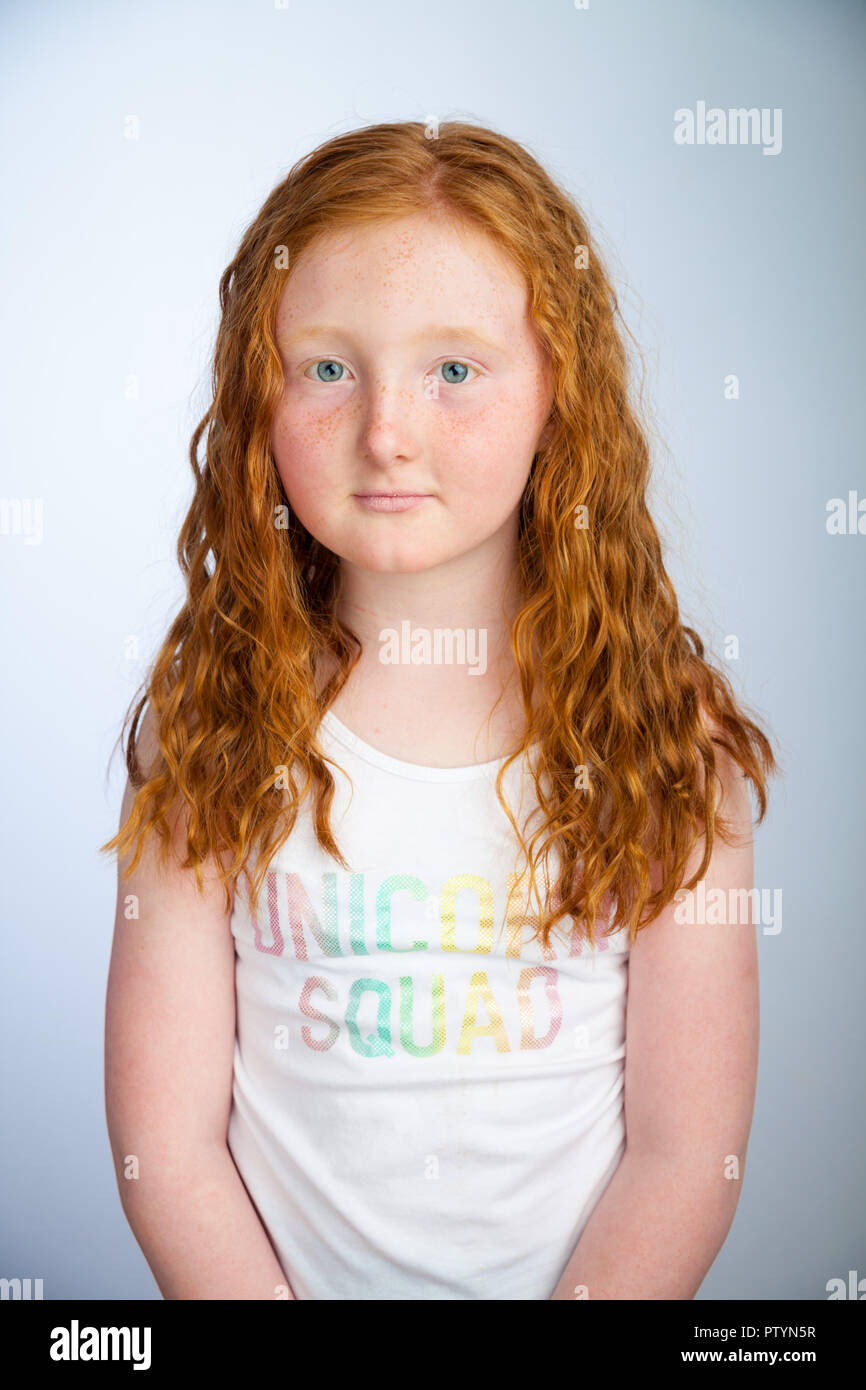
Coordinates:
[625,689]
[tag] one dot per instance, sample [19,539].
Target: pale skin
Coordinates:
[394,293]
[397,293]
[169,1040]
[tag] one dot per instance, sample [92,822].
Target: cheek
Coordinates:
[491,446]
[299,431]
[302,443]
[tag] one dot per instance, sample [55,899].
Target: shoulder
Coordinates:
[732,802]
[174,840]
[673,944]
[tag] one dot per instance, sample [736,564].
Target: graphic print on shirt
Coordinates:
[418,993]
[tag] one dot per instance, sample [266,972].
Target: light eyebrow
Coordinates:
[470,335]
[435,332]
[316,330]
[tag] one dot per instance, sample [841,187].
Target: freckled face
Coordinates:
[411,365]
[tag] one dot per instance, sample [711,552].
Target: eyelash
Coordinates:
[444,363]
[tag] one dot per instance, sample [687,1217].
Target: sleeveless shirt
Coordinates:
[426,1103]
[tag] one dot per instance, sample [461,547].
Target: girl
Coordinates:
[406,997]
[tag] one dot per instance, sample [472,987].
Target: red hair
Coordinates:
[626,690]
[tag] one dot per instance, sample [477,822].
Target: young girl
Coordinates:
[406,998]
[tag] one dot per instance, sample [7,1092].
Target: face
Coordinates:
[412,371]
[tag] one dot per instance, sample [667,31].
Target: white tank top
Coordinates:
[426,1104]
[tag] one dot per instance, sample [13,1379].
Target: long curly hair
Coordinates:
[630,709]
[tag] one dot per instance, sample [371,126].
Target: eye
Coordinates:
[326,370]
[460,366]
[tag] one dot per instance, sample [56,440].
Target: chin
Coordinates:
[390,559]
[395,564]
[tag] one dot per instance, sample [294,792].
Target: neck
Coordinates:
[472,591]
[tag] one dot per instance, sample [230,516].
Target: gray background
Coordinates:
[726,260]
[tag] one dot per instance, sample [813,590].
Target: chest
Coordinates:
[444,726]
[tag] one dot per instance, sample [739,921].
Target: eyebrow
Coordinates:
[434,331]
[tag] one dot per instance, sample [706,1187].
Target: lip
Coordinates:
[391,501]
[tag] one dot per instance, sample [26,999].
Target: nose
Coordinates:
[390,429]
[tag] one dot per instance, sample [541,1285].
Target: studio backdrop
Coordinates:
[716,151]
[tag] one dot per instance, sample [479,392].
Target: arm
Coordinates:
[690,1076]
[169,1048]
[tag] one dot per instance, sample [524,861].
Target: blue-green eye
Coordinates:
[330,366]
[461,367]
[327,369]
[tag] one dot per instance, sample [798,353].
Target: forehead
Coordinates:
[431,267]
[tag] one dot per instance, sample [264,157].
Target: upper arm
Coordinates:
[693,1011]
[170,1010]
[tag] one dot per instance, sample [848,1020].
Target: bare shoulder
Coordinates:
[147,751]
[732,800]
